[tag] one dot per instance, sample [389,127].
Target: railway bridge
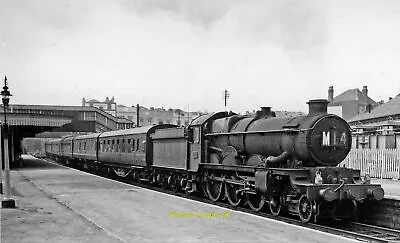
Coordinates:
[28,120]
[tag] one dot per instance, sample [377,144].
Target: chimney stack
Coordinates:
[330,94]
[317,106]
[365,91]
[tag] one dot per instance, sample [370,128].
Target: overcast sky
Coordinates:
[182,53]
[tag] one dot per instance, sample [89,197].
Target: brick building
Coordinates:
[109,105]
[350,103]
[379,128]
[156,115]
[147,116]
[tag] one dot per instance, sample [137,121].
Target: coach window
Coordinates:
[137,144]
[133,145]
[117,148]
[112,145]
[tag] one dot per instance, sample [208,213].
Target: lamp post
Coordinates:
[7,202]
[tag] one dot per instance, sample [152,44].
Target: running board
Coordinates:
[228,167]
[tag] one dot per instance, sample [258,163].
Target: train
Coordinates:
[289,165]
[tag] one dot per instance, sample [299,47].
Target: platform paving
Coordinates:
[57,204]
[391,187]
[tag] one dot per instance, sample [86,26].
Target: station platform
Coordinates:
[391,187]
[59,204]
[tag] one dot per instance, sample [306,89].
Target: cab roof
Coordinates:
[204,118]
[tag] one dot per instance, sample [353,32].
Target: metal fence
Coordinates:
[378,163]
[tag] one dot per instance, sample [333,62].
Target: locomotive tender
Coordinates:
[287,164]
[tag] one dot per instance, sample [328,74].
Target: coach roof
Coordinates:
[87,136]
[136,130]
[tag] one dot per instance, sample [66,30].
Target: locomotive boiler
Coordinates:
[317,139]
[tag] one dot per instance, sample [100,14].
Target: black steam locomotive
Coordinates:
[287,164]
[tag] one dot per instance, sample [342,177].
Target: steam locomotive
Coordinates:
[286,164]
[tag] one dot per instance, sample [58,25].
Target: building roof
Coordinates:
[15,108]
[123,120]
[93,101]
[352,95]
[390,108]
[378,124]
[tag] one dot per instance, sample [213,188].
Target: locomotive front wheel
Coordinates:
[275,205]
[255,201]
[214,190]
[232,194]
[305,208]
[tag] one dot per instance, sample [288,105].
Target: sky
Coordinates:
[184,53]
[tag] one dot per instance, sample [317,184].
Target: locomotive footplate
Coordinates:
[228,167]
[331,192]
[264,181]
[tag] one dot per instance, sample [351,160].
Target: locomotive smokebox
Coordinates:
[319,106]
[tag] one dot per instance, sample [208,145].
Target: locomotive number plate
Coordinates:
[333,138]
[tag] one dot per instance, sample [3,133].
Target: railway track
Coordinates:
[364,232]
[352,230]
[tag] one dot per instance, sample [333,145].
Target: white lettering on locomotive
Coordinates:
[334,138]
[343,138]
[326,138]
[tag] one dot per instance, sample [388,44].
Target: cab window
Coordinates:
[196,135]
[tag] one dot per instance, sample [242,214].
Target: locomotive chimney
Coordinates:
[317,106]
